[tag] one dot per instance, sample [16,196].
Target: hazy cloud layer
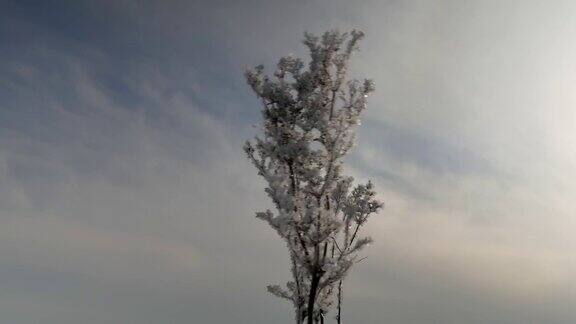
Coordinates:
[125,196]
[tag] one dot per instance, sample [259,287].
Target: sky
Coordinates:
[125,196]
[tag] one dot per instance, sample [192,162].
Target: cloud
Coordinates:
[125,197]
[131,199]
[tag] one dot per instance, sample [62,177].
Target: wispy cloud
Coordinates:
[125,197]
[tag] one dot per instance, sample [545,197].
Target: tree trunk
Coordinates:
[339,316]
[312,298]
[298,316]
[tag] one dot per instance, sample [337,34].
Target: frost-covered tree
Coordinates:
[309,116]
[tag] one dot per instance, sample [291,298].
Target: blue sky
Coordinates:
[125,196]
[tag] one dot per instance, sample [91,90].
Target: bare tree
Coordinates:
[309,116]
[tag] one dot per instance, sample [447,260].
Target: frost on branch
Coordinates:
[309,113]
